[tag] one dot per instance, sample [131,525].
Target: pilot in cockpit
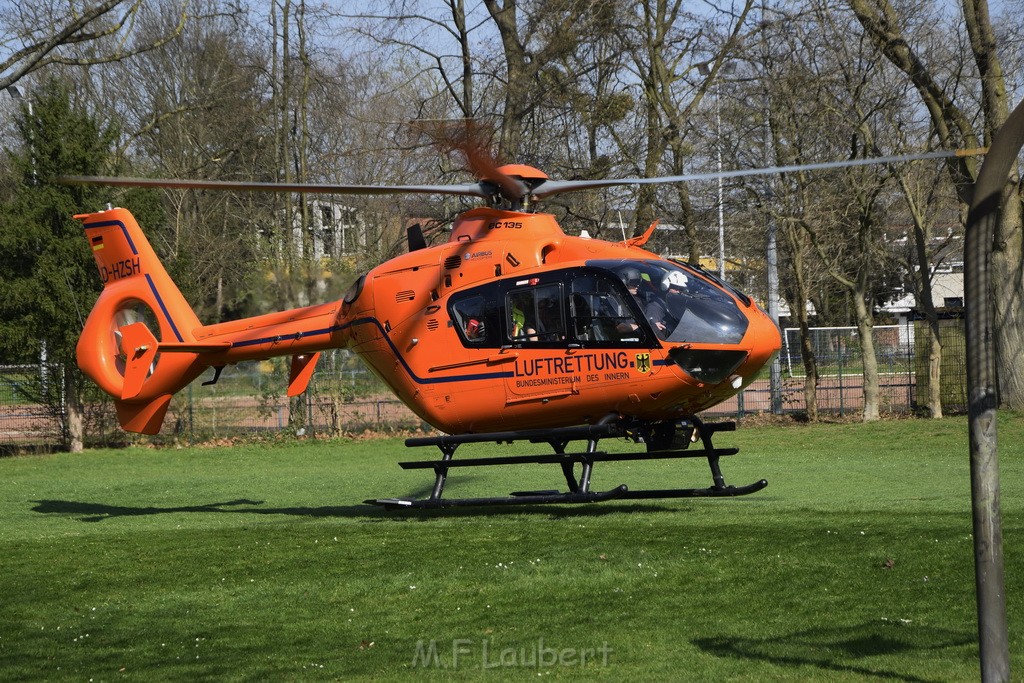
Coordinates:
[659,301]
[665,307]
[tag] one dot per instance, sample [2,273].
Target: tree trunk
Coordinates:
[74,421]
[934,371]
[810,361]
[466,104]
[1008,297]
[810,375]
[689,224]
[655,149]
[921,264]
[954,128]
[796,246]
[517,67]
[865,328]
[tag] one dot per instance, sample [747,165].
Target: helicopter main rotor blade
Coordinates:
[508,187]
[553,187]
[466,189]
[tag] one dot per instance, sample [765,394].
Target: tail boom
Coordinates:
[141,363]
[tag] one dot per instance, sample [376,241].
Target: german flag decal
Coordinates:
[97,243]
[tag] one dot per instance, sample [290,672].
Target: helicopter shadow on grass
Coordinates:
[844,649]
[84,511]
[552,511]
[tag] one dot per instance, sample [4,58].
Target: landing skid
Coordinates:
[663,440]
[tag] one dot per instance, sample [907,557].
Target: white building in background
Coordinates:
[336,230]
[947,291]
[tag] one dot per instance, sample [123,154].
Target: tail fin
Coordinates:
[138,306]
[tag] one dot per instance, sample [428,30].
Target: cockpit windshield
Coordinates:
[680,306]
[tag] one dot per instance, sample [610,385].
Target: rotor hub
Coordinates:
[528,174]
[515,184]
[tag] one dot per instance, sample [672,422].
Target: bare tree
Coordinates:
[197,111]
[795,128]
[926,198]
[822,96]
[950,112]
[678,57]
[36,35]
[441,38]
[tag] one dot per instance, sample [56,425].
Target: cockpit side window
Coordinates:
[679,305]
[468,316]
[599,312]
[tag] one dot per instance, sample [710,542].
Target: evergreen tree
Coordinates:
[49,281]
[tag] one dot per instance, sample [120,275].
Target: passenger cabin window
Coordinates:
[573,307]
[476,321]
[535,314]
[600,313]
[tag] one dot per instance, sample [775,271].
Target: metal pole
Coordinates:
[986,207]
[721,207]
[16,94]
[775,377]
[705,70]
[842,405]
[775,374]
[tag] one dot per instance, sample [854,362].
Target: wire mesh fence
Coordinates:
[250,399]
[24,421]
[344,397]
[902,354]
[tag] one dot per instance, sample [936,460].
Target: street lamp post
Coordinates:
[721,207]
[16,95]
[775,372]
[727,68]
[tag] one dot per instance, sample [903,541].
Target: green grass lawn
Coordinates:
[259,562]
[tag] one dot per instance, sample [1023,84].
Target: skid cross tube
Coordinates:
[565,458]
[579,489]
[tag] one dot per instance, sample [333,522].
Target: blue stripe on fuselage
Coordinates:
[373,321]
[160,301]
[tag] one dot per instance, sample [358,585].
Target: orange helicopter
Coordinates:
[512,330]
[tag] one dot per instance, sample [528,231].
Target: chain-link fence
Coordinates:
[247,399]
[23,421]
[902,353]
[344,397]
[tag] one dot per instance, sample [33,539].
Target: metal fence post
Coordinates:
[841,401]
